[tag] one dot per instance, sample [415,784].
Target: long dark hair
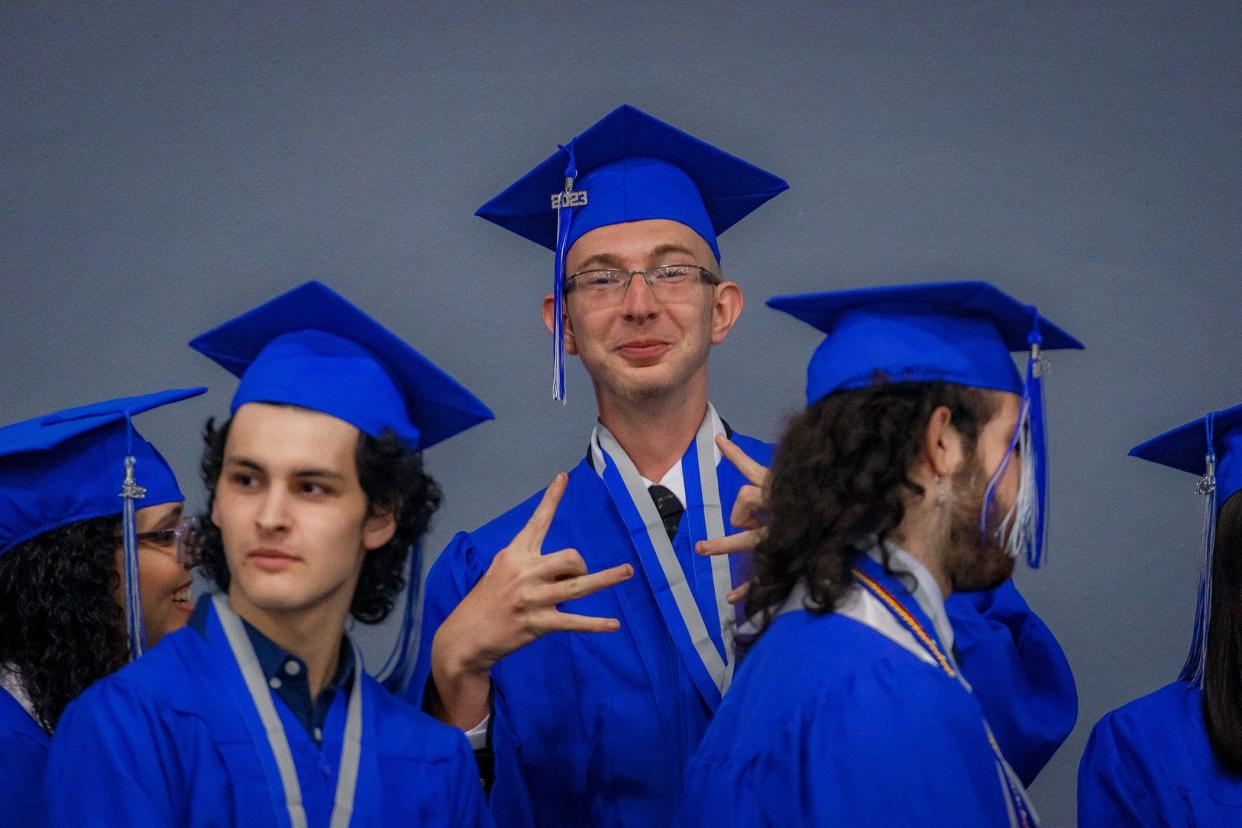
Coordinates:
[61,626]
[1222,684]
[840,474]
[391,475]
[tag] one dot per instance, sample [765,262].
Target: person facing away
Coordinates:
[66,569]
[595,727]
[1174,757]
[260,712]
[915,473]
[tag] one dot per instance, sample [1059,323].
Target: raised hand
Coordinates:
[749,513]
[514,603]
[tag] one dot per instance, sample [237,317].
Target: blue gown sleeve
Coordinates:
[106,766]
[1019,673]
[1111,787]
[453,575]
[22,761]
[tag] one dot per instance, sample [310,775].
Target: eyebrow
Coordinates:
[169,520]
[309,472]
[611,261]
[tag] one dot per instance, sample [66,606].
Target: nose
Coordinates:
[273,514]
[640,302]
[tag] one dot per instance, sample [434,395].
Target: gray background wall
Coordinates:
[164,167]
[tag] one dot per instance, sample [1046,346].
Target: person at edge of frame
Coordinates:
[66,570]
[1174,757]
[596,726]
[260,713]
[917,472]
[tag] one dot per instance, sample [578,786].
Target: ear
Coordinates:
[549,317]
[379,527]
[726,308]
[942,445]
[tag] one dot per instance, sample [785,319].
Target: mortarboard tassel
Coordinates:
[1023,527]
[1196,660]
[130,492]
[396,673]
[563,203]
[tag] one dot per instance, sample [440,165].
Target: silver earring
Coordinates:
[940,497]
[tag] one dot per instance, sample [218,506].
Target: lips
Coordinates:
[181,598]
[641,350]
[271,560]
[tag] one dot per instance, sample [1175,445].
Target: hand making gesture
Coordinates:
[749,511]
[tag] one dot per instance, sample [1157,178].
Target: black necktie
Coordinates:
[669,507]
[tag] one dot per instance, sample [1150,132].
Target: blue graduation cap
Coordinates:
[956,332]
[1209,447]
[83,463]
[312,348]
[627,167]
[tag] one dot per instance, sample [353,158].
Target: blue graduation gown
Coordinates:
[596,729]
[163,742]
[23,755]
[829,722]
[1150,763]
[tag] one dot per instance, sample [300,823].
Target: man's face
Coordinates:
[643,347]
[970,567]
[291,511]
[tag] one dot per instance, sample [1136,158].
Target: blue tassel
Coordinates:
[396,672]
[1196,660]
[564,220]
[130,492]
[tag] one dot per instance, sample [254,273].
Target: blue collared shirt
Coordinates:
[287,675]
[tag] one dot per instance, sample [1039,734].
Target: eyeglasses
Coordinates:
[670,283]
[176,539]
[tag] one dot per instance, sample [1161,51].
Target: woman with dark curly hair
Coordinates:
[1174,756]
[260,712]
[64,600]
[913,474]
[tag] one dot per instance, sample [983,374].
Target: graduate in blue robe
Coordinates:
[1174,757]
[165,742]
[596,729]
[850,706]
[61,523]
[260,712]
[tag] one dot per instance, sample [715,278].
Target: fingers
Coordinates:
[570,589]
[752,471]
[568,622]
[536,529]
[736,595]
[730,544]
[564,563]
[749,509]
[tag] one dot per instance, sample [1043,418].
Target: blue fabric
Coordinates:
[598,729]
[22,761]
[312,348]
[1149,763]
[294,687]
[164,742]
[829,722]
[1019,673]
[957,332]
[1185,448]
[634,167]
[65,467]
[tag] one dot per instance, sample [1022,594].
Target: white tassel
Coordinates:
[1019,526]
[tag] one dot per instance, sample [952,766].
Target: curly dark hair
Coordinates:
[61,626]
[840,475]
[391,475]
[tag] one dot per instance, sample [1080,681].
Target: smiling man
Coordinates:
[260,713]
[595,727]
